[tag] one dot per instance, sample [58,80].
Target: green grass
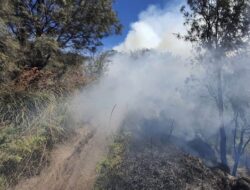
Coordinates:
[31,123]
[108,168]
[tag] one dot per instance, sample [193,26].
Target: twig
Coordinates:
[111,114]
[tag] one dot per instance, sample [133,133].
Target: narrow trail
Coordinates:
[73,164]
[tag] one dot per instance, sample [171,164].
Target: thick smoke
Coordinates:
[150,84]
[156,29]
[162,82]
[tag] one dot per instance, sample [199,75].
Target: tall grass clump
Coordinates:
[31,122]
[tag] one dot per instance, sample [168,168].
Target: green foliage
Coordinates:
[219,24]
[97,65]
[2,182]
[76,24]
[41,51]
[32,122]
[114,159]
[21,107]
[35,33]
[9,55]
[108,169]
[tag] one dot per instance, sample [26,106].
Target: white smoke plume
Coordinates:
[156,29]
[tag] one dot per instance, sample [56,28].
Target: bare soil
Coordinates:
[72,165]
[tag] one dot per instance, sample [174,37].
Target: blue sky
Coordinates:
[128,12]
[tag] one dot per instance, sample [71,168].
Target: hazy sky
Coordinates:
[128,12]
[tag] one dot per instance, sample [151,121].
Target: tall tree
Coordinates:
[221,27]
[73,24]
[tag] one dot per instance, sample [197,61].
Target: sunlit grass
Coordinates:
[31,123]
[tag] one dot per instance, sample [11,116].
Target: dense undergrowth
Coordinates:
[35,115]
[37,78]
[34,110]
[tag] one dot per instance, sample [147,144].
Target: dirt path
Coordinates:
[73,165]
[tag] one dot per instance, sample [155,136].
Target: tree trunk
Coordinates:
[223,137]
[22,37]
[223,145]
[236,164]
[220,100]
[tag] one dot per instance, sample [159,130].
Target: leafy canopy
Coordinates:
[217,24]
[75,24]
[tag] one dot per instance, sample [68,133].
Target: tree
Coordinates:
[222,28]
[241,132]
[238,106]
[72,24]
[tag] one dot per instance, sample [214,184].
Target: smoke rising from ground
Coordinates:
[150,84]
[157,85]
[162,82]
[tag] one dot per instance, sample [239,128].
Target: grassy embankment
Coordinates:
[34,116]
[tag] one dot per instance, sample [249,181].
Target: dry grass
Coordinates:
[31,123]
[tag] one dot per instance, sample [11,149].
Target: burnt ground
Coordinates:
[152,161]
[168,168]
